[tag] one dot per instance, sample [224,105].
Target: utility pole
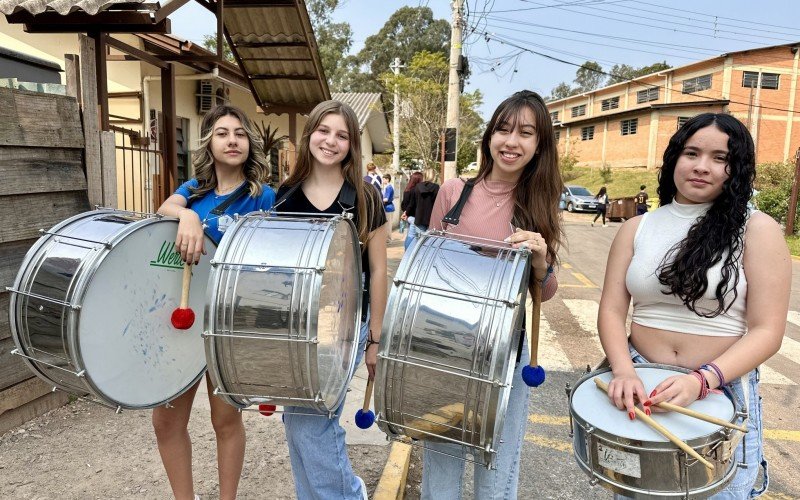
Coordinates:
[395,67]
[790,216]
[453,92]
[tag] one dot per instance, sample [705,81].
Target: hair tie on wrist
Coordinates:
[704,389]
[712,367]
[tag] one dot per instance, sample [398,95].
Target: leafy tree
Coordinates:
[560,91]
[334,41]
[588,77]
[210,43]
[623,72]
[470,129]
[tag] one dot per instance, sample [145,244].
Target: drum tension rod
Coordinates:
[42,297]
[16,352]
[264,265]
[94,242]
[509,303]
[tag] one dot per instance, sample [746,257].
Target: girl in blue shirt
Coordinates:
[229,163]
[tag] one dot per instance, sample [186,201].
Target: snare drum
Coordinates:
[449,342]
[91,305]
[284,310]
[631,458]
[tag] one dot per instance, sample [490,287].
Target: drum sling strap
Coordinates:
[220,209]
[452,218]
[346,200]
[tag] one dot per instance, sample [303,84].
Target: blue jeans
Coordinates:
[743,484]
[413,232]
[317,450]
[443,475]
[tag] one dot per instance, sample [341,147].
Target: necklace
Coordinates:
[220,191]
[497,203]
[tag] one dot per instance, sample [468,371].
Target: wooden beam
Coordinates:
[235,52]
[220,14]
[72,70]
[163,28]
[137,53]
[108,156]
[279,109]
[91,130]
[278,59]
[134,94]
[169,146]
[168,9]
[112,18]
[102,76]
[260,4]
[190,58]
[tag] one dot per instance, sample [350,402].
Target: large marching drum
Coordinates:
[449,342]
[90,309]
[283,311]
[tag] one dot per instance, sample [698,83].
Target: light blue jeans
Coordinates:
[743,484]
[443,475]
[413,233]
[317,450]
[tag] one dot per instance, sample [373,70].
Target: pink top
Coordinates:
[487,214]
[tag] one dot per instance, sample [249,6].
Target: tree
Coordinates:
[623,72]
[470,129]
[334,41]
[408,31]
[210,43]
[560,91]
[588,77]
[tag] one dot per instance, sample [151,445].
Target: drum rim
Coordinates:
[498,397]
[702,440]
[213,289]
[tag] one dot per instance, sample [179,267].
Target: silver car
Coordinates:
[578,199]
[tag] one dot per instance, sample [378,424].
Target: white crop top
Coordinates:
[658,231]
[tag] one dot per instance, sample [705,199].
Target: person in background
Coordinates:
[388,193]
[641,200]
[373,177]
[710,281]
[413,180]
[602,201]
[420,207]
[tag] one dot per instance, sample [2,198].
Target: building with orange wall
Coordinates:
[629,124]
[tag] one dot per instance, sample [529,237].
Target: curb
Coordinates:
[392,483]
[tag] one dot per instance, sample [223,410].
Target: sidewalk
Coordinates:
[85,451]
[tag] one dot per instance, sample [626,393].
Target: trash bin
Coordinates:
[621,209]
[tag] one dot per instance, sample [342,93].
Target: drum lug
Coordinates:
[168,406]
[593,481]
[118,410]
[81,373]
[55,388]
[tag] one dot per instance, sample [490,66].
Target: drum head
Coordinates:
[126,342]
[593,406]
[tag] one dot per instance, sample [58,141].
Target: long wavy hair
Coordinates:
[416,178]
[539,188]
[255,168]
[351,165]
[719,234]
[600,193]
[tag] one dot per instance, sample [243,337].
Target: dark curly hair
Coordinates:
[719,234]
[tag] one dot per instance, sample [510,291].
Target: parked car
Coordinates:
[579,199]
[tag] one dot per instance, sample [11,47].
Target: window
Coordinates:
[647,95]
[579,110]
[628,127]
[696,84]
[682,120]
[768,80]
[587,133]
[554,116]
[557,135]
[612,103]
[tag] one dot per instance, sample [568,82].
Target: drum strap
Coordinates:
[454,215]
[236,196]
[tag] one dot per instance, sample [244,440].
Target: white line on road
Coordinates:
[793,317]
[585,313]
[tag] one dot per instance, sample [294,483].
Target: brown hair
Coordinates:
[539,188]
[415,179]
[351,164]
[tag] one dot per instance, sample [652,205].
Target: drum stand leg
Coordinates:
[568,390]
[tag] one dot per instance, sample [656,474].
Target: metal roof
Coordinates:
[65,7]
[275,46]
[371,114]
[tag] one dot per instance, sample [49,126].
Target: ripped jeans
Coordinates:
[743,484]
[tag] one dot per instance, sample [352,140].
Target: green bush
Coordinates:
[605,173]
[566,164]
[774,185]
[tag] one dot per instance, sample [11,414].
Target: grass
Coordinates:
[624,181]
[794,244]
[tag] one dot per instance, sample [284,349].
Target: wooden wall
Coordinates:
[42,182]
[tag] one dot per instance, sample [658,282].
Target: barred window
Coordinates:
[587,133]
[579,110]
[557,134]
[768,80]
[682,120]
[647,95]
[629,127]
[696,84]
[554,116]
[608,104]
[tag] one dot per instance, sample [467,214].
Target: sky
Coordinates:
[526,44]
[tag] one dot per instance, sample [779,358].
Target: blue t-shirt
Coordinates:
[215,225]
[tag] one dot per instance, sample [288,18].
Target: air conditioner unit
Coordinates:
[211,93]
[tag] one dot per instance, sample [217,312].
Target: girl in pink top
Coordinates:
[515,199]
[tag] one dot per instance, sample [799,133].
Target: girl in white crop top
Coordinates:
[707,294]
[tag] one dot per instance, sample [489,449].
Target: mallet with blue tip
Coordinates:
[533,374]
[366,417]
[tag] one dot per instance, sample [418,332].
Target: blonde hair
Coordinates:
[255,169]
[351,164]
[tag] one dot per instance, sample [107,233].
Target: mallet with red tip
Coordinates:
[183,316]
[533,374]
[365,417]
[266,409]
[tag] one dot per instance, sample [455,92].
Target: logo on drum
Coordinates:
[168,257]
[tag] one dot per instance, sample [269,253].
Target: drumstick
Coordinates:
[533,374]
[661,429]
[183,316]
[700,416]
[365,417]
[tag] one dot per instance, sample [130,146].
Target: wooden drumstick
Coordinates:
[661,429]
[183,317]
[533,374]
[365,417]
[700,416]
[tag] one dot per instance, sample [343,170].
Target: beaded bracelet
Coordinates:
[713,368]
[704,389]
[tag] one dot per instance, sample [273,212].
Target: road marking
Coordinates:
[790,348]
[779,435]
[793,317]
[536,418]
[565,265]
[551,355]
[585,313]
[545,442]
[770,376]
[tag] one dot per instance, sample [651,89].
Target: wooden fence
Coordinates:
[42,182]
